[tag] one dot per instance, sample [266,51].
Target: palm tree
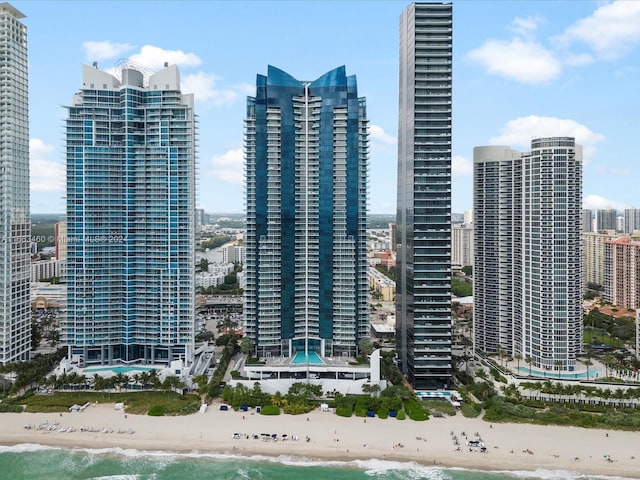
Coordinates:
[136,379]
[558,364]
[144,378]
[500,353]
[518,358]
[529,360]
[588,364]
[153,378]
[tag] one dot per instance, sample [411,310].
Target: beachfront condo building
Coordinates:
[423,290]
[306,153]
[131,160]
[15,224]
[527,257]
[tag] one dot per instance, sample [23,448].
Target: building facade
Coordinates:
[527,269]
[306,152]
[131,149]
[423,281]
[622,272]
[631,220]
[587,220]
[497,266]
[15,223]
[593,257]
[606,219]
[461,245]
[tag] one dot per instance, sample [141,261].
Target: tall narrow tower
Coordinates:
[15,225]
[131,149]
[423,290]
[306,150]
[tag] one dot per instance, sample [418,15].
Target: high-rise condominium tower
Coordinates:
[587,220]
[631,220]
[306,150]
[423,295]
[15,224]
[606,219]
[131,148]
[527,266]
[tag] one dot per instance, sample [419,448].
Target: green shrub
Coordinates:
[344,411]
[156,411]
[470,409]
[401,415]
[270,410]
[415,411]
[383,412]
[6,407]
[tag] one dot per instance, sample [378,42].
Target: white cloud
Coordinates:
[461,167]
[521,131]
[595,202]
[155,57]
[203,86]
[245,89]
[577,59]
[524,61]
[377,134]
[95,51]
[525,26]
[45,175]
[610,31]
[228,167]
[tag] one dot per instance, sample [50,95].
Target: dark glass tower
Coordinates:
[306,150]
[423,290]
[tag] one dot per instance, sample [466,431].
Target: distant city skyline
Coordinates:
[523,69]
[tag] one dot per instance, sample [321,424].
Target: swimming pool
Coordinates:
[592,375]
[300,358]
[119,369]
[433,393]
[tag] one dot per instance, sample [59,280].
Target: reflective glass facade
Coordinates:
[15,224]
[423,285]
[131,149]
[306,151]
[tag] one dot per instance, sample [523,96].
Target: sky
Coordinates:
[521,70]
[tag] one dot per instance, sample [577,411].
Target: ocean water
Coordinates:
[36,462]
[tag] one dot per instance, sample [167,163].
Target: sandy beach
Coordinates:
[508,446]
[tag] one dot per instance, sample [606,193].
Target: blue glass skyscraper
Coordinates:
[131,148]
[306,150]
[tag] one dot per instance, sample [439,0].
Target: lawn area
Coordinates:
[169,403]
[442,406]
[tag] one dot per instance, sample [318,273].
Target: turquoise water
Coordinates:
[118,369]
[434,394]
[35,462]
[313,358]
[593,374]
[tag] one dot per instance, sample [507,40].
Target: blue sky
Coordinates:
[522,69]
